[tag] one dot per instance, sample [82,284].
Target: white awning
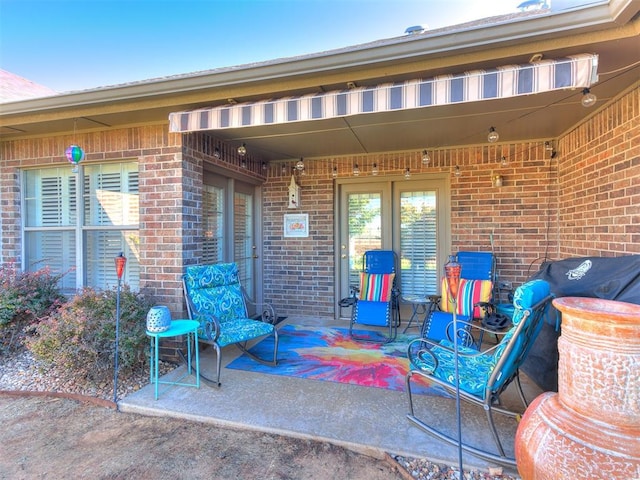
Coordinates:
[579,71]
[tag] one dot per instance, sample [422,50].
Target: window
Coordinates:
[84,246]
[213,224]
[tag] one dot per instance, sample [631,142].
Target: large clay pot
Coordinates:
[590,429]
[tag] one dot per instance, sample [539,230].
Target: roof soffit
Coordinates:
[399,59]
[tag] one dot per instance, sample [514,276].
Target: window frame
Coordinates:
[76,269]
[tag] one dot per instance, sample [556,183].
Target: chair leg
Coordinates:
[272,363]
[494,431]
[520,391]
[499,459]
[203,377]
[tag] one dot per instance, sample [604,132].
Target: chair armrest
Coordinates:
[421,356]
[267,312]
[427,343]
[209,325]
[463,333]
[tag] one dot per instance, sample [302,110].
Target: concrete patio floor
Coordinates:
[365,419]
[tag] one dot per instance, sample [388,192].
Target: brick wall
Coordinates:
[298,272]
[521,216]
[599,183]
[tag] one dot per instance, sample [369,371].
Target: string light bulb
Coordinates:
[407,173]
[356,170]
[504,162]
[334,172]
[300,164]
[456,171]
[374,170]
[496,180]
[242,150]
[493,135]
[426,159]
[588,98]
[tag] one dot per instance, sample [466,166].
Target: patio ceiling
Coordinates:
[539,116]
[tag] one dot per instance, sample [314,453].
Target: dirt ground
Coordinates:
[55,438]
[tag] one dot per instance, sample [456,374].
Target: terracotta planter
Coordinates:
[591,427]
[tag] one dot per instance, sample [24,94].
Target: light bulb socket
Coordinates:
[588,98]
[425,157]
[493,136]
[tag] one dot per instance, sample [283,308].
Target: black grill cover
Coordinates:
[614,278]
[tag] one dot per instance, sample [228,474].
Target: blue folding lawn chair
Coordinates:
[376,303]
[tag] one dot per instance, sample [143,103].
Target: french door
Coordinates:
[231,226]
[410,217]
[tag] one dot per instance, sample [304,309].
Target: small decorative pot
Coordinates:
[158,319]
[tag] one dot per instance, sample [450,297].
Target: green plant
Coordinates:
[80,335]
[24,298]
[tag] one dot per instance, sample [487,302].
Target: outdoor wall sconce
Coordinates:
[493,135]
[356,170]
[426,159]
[496,180]
[374,170]
[242,150]
[588,98]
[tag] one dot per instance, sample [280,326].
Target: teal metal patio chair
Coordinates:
[216,299]
[483,375]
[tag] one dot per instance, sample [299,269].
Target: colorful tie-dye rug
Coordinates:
[330,354]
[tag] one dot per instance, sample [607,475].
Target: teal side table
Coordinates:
[178,328]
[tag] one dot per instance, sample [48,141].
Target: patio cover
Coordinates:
[579,71]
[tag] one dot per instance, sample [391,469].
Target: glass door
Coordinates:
[364,225]
[417,240]
[231,227]
[244,245]
[409,217]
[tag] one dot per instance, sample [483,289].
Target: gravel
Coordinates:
[21,372]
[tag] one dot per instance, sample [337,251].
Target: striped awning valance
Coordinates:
[579,71]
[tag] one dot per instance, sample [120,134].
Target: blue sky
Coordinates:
[79,44]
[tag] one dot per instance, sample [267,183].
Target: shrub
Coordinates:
[24,298]
[80,335]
